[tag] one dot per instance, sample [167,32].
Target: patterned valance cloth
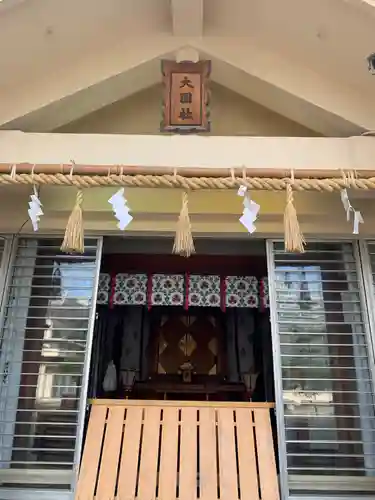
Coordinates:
[104,289]
[167,290]
[204,291]
[193,290]
[241,291]
[130,289]
[264,294]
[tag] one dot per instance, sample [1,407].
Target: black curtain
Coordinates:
[107,345]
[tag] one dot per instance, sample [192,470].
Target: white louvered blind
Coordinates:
[328,393]
[43,348]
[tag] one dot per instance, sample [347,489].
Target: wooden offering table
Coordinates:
[178,449]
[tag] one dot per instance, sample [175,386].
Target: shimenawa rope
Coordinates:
[188,183]
[184,245]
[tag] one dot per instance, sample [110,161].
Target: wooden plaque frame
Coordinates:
[185,109]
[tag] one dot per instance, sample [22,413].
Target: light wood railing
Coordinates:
[169,450]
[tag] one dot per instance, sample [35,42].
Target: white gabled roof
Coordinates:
[305,59]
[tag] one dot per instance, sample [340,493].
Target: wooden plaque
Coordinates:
[186,96]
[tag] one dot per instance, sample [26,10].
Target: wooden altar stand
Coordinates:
[169,450]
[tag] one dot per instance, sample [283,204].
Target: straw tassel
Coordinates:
[74,238]
[293,238]
[183,241]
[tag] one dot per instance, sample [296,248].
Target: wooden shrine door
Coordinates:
[187,353]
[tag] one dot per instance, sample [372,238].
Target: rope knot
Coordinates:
[74,237]
[183,242]
[294,240]
[289,193]
[79,198]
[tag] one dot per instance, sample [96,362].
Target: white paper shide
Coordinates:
[35,210]
[120,209]
[357,216]
[250,212]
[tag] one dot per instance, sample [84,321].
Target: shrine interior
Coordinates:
[169,327]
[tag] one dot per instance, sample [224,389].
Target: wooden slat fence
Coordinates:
[169,450]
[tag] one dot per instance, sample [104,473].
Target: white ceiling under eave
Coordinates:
[304,59]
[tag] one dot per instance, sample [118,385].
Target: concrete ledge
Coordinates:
[273,155]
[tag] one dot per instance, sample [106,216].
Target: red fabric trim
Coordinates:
[112,292]
[187,290]
[223,293]
[149,291]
